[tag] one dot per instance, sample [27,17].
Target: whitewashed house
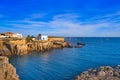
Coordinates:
[10,34]
[2,36]
[17,35]
[44,37]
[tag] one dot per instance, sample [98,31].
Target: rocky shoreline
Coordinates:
[7,71]
[102,73]
[21,47]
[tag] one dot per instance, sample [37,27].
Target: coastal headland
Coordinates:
[10,46]
[22,46]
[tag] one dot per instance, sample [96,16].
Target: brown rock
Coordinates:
[102,73]
[7,71]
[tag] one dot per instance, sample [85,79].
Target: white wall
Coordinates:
[1,36]
[44,37]
[17,35]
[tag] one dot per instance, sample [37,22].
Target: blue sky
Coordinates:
[80,18]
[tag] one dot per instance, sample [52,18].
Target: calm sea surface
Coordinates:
[64,64]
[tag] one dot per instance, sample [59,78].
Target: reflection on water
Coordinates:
[64,64]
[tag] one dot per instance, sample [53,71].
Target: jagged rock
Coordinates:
[67,44]
[102,73]
[7,71]
[40,46]
[13,49]
[79,46]
[80,43]
[20,47]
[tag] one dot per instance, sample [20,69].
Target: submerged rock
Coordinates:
[79,45]
[7,71]
[102,73]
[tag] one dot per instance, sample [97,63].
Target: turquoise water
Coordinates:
[65,64]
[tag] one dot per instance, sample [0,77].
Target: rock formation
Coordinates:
[21,47]
[38,46]
[7,71]
[79,45]
[102,73]
[7,48]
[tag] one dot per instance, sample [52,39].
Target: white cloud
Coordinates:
[70,25]
[109,17]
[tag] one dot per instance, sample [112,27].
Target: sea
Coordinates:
[67,63]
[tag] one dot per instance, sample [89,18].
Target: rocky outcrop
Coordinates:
[79,45]
[67,44]
[61,44]
[20,47]
[38,46]
[13,49]
[102,73]
[7,71]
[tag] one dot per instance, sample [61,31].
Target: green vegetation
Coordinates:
[55,37]
[29,38]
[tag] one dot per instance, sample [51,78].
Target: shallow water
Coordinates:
[65,64]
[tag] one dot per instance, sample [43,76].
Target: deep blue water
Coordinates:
[65,64]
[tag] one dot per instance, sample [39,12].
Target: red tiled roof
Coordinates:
[9,33]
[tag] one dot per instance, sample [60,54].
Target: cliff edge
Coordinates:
[21,47]
[7,71]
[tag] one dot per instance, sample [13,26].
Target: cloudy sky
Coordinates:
[80,18]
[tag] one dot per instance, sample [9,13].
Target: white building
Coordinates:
[1,36]
[10,34]
[17,35]
[33,39]
[44,37]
